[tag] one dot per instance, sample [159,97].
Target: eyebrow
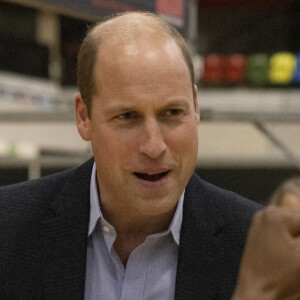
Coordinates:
[125,108]
[120,108]
[176,102]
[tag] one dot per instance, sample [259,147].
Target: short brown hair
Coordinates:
[290,186]
[89,49]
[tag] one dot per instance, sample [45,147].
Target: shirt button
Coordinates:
[106,229]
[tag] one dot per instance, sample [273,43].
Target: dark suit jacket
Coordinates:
[44,228]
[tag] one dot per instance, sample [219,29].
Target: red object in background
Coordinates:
[235,68]
[213,72]
[244,4]
[170,7]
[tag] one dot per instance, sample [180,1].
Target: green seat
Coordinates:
[258,69]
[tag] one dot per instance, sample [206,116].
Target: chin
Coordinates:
[158,207]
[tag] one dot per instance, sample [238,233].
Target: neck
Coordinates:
[131,232]
[138,224]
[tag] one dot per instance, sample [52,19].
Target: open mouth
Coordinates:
[151,177]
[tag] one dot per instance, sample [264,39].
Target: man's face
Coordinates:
[143,127]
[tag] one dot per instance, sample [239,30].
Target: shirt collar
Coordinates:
[96,214]
[175,226]
[95,211]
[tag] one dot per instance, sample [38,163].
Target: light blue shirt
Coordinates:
[150,271]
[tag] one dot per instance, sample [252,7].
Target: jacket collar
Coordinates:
[65,236]
[200,251]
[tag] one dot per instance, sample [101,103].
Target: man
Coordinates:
[287,194]
[134,222]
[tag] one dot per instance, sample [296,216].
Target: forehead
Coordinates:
[145,46]
[145,70]
[139,36]
[146,53]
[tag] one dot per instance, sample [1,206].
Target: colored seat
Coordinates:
[258,69]
[296,74]
[235,69]
[213,73]
[282,66]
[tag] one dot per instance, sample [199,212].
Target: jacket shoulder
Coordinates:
[229,204]
[29,199]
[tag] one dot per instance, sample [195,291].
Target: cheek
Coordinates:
[110,146]
[184,140]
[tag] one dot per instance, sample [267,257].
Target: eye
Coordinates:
[128,115]
[173,112]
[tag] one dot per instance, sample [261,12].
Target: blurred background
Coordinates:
[247,66]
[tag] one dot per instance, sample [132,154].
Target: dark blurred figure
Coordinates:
[287,194]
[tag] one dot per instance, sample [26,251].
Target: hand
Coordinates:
[270,266]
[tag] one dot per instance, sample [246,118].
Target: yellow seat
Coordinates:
[282,66]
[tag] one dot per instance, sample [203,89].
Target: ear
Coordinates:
[196,105]
[82,118]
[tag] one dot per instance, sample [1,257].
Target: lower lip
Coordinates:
[153,184]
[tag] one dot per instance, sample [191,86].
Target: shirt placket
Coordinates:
[136,272]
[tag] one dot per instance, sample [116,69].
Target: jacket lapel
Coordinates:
[200,252]
[65,237]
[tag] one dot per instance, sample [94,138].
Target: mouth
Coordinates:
[151,177]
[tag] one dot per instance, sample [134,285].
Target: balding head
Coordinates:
[123,29]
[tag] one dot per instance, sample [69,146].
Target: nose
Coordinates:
[152,142]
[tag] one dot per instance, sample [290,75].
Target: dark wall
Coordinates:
[19,52]
[255,184]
